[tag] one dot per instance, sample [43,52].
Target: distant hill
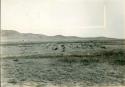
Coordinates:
[7,33]
[15,36]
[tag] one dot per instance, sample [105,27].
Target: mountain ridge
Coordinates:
[12,35]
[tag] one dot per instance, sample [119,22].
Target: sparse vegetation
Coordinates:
[84,63]
[13,81]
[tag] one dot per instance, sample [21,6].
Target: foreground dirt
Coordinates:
[53,72]
[88,64]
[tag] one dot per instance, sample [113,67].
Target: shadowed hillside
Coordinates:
[14,36]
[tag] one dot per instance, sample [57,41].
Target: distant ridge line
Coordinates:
[15,36]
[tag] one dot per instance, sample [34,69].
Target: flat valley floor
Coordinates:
[76,65]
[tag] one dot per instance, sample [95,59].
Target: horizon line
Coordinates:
[64,35]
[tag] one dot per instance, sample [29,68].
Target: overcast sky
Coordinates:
[84,18]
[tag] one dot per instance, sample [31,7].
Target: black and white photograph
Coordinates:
[62,43]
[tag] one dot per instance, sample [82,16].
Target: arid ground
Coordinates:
[63,64]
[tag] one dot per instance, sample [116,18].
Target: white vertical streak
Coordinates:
[105,17]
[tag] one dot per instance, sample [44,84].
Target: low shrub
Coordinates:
[13,81]
[119,62]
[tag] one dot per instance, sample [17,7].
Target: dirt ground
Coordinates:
[46,71]
[63,65]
